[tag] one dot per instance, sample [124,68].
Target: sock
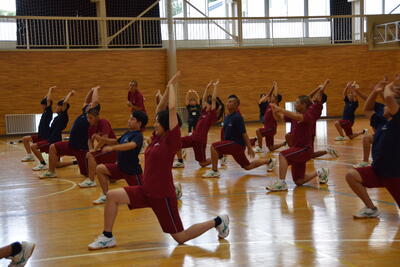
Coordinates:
[16,248]
[180,160]
[217,221]
[43,162]
[107,234]
[75,162]
[29,154]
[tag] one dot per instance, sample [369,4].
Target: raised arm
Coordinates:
[287,113]
[204,99]
[390,96]
[158,97]
[346,88]
[88,98]
[320,88]
[49,95]
[370,103]
[95,96]
[173,120]
[197,96]
[214,95]
[162,105]
[187,97]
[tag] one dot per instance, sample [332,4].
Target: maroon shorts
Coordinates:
[63,149]
[346,126]
[118,174]
[371,179]
[237,151]
[43,146]
[269,135]
[199,148]
[36,138]
[297,157]
[102,158]
[166,209]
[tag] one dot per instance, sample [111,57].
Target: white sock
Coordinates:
[29,154]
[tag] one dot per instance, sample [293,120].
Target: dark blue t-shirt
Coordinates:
[263,107]
[234,128]
[78,138]
[377,122]
[57,126]
[379,108]
[128,161]
[387,146]
[349,109]
[193,112]
[44,124]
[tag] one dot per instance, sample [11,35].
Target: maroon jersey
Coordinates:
[302,132]
[315,111]
[136,99]
[103,127]
[269,120]
[206,119]
[158,158]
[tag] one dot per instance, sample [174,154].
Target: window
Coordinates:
[318,8]
[284,8]
[390,5]
[8,27]
[373,7]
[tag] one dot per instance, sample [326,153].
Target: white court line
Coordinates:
[213,244]
[58,192]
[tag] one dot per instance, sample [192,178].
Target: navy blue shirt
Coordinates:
[44,124]
[57,126]
[128,161]
[379,108]
[193,112]
[263,107]
[349,109]
[386,162]
[78,138]
[377,122]
[234,128]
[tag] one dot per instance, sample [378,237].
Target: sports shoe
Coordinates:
[279,185]
[27,158]
[87,183]
[178,190]
[40,167]
[223,161]
[271,165]
[178,164]
[223,228]
[332,152]
[101,200]
[365,213]
[22,258]
[102,242]
[258,150]
[361,164]
[365,131]
[339,138]
[211,174]
[47,174]
[323,175]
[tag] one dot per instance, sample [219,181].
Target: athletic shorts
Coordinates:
[102,158]
[297,157]
[347,126]
[199,148]
[166,209]
[63,149]
[237,151]
[371,179]
[43,146]
[269,135]
[36,138]
[118,174]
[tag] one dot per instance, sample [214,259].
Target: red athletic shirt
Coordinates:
[136,99]
[103,127]
[158,159]
[302,132]
[315,111]
[206,119]
[269,120]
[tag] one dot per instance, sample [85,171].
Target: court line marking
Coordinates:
[58,192]
[228,243]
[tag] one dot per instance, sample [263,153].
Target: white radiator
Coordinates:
[21,123]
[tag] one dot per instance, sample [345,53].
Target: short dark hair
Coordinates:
[305,99]
[279,98]
[140,116]
[163,119]
[61,103]
[94,112]
[134,82]
[43,101]
[236,98]
[324,98]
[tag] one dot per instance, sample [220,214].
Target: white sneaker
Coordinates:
[22,258]
[47,174]
[365,213]
[101,200]
[40,167]
[223,228]
[211,174]
[178,190]
[258,149]
[87,183]
[339,138]
[27,158]
[102,242]
[361,164]
[279,185]
[332,152]
[223,161]
[323,175]
[178,164]
[271,165]
[365,131]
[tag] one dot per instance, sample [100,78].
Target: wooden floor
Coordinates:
[306,226]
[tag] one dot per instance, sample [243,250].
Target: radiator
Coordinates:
[21,123]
